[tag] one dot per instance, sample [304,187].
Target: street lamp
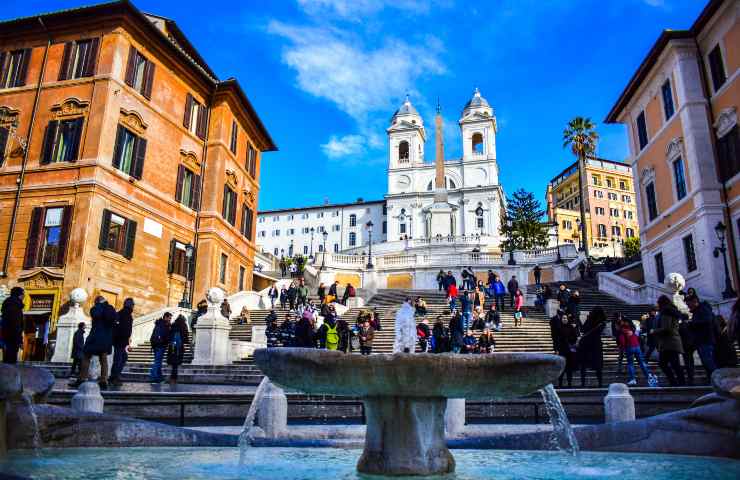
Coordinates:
[185,301]
[559,259]
[510,225]
[581,237]
[323,254]
[310,254]
[721,231]
[369,226]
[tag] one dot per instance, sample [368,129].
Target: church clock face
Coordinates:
[403,181]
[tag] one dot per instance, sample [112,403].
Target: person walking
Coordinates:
[452,297]
[563,297]
[159,341]
[441,280]
[518,307]
[703,327]
[78,343]
[537,274]
[457,332]
[321,293]
[226,309]
[566,347]
[512,287]
[292,295]
[333,295]
[630,343]
[573,306]
[646,326]
[283,297]
[99,343]
[499,292]
[274,294]
[345,336]
[366,336]
[669,341]
[302,293]
[590,348]
[176,346]
[12,327]
[121,340]
[466,305]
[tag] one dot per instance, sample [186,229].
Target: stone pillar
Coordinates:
[619,406]
[212,347]
[551,307]
[455,416]
[88,398]
[67,326]
[272,411]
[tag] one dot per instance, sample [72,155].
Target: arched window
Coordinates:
[477,143]
[353,220]
[403,151]
[479,216]
[352,239]
[450,184]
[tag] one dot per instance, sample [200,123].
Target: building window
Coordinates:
[335,213]
[600,211]
[14,68]
[385,209]
[609,183]
[187,189]
[276,218]
[679,178]
[403,151]
[234,136]
[252,162]
[642,135]
[385,227]
[598,194]
[688,251]
[667,99]
[305,249]
[304,216]
[139,73]
[717,68]
[650,199]
[479,222]
[335,228]
[275,251]
[242,272]
[613,196]
[477,144]
[616,231]
[353,220]
[276,233]
[228,208]
[117,234]
[614,212]
[178,263]
[628,214]
[595,180]
[728,151]
[222,268]
[352,239]
[336,248]
[47,237]
[248,221]
[601,228]
[129,153]
[79,59]
[402,228]
[62,141]
[626,199]
[262,234]
[622,185]
[320,229]
[659,270]
[630,232]
[305,230]
[319,214]
[195,119]
[290,232]
[261,220]
[321,247]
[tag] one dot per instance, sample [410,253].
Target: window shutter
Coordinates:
[250,224]
[66,59]
[148,80]
[4,132]
[34,234]
[171,261]
[50,139]
[20,79]
[191,266]
[104,227]
[188,107]
[130,238]
[243,223]
[232,213]
[195,198]
[139,155]
[178,185]
[75,135]
[117,148]
[3,57]
[64,235]
[224,203]
[92,58]
[202,122]
[129,79]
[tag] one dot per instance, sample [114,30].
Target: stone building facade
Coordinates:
[126,166]
[680,110]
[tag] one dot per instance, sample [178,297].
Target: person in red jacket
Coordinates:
[629,342]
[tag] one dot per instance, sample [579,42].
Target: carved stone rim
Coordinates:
[70,107]
[133,120]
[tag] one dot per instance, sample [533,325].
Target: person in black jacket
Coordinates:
[590,347]
[176,345]
[441,336]
[159,341]
[78,343]
[12,313]
[703,327]
[457,333]
[121,340]
[99,343]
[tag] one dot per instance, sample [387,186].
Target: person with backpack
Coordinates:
[159,341]
[669,341]
[121,340]
[176,345]
[78,343]
[424,334]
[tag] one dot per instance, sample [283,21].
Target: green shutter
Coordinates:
[130,238]
[104,227]
[171,261]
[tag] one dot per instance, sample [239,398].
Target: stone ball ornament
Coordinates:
[78,296]
[215,296]
[675,282]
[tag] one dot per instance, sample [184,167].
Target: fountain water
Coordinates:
[562,438]
[245,438]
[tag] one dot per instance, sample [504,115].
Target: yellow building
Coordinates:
[611,215]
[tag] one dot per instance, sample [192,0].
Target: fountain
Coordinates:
[405,395]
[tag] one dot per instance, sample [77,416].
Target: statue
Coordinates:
[675,283]
[405,329]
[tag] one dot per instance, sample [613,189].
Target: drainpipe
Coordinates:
[196,238]
[22,176]
[726,206]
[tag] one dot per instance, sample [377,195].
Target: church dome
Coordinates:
[407,111]
[477,103]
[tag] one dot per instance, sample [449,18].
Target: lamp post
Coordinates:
[323,254]
[721,231]
[185,302]
[559,259]
[310,254]
[581,238]
[510,225]
[369,226]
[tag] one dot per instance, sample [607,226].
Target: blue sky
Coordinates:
[326,76]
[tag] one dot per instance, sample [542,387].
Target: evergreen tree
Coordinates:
[631,247]
[527,230]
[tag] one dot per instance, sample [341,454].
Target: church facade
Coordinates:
[437,200]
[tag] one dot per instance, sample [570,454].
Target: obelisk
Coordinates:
[441,212]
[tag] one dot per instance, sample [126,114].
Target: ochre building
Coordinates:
[126,166]
[680,110]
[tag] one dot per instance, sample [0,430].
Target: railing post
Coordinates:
[182,414]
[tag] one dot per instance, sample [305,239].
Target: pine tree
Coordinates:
[527,230]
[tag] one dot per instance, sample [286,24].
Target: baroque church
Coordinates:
[428,201]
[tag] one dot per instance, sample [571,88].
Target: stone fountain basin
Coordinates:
[425,375]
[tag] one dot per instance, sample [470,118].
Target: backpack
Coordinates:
[332,337]
[159,336]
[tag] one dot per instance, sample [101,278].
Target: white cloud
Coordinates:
[348,145]
[655,3]
[355,10]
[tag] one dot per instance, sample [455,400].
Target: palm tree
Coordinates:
[580,135]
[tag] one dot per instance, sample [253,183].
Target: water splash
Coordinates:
[562,437]
[36,441]
[245,438]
